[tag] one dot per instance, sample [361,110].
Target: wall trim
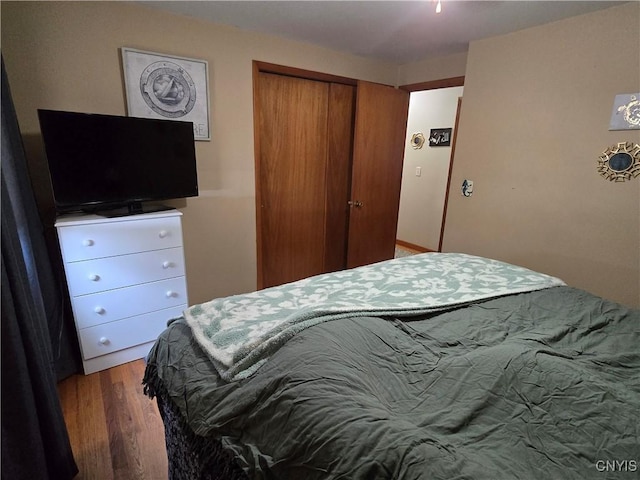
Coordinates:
[266,67]
[434,84]
[413,246]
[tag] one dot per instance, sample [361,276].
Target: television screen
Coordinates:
[97,162]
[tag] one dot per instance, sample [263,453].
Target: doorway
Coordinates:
[427,163]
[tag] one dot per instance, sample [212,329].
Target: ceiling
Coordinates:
[392,31]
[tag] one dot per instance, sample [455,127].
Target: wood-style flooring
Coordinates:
[115,430]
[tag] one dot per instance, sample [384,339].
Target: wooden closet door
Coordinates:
[378,153]
[342,99]
[291,173]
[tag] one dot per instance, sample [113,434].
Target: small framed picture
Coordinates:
[626,112]
[167,87]
[440,137]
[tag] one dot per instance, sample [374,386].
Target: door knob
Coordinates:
[354,203]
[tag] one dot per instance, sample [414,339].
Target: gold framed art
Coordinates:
[620,162]
[417,140]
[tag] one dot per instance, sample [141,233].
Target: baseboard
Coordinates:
[412,246]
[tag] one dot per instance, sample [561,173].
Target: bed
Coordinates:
[434,366]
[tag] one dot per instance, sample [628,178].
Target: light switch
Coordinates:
[418,171]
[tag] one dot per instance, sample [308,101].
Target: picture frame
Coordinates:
[625,114]
[620,162]
[440,137]
[167,87]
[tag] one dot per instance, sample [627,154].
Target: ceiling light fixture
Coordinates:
[438,7]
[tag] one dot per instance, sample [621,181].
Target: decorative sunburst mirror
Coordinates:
[620,162]
[417,140]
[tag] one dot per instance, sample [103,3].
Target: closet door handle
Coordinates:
[355,203]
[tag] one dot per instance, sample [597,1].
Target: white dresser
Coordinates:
[126,279]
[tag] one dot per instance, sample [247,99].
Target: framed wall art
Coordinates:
[620,162]
[417,140]
[440,137]
[167,87]
[626,112]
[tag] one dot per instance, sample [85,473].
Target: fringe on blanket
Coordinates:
[190,456]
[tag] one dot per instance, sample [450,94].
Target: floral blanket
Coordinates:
[240,332]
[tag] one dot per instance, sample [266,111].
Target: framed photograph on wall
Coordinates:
[440,137]
[167,87]
[626,112]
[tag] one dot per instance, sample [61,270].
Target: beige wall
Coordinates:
[433,69]
[65,55]
[534,120]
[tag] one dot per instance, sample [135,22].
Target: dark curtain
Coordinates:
[35,443]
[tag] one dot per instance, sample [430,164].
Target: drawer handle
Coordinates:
[94,278]
[163,234]
[167,264]
[171,293]
[103,341]
[99,310]
[88,242]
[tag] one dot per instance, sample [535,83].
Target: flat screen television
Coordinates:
[111,164]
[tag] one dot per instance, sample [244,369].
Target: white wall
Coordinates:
[422,198]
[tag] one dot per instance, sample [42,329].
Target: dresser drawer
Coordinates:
[92,276]
[112,305]
[114,336]
[98,240]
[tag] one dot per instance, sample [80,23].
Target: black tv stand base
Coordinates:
[132,209]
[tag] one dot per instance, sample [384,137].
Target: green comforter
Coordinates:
[529,386]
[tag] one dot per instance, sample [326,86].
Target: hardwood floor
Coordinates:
[115,430]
